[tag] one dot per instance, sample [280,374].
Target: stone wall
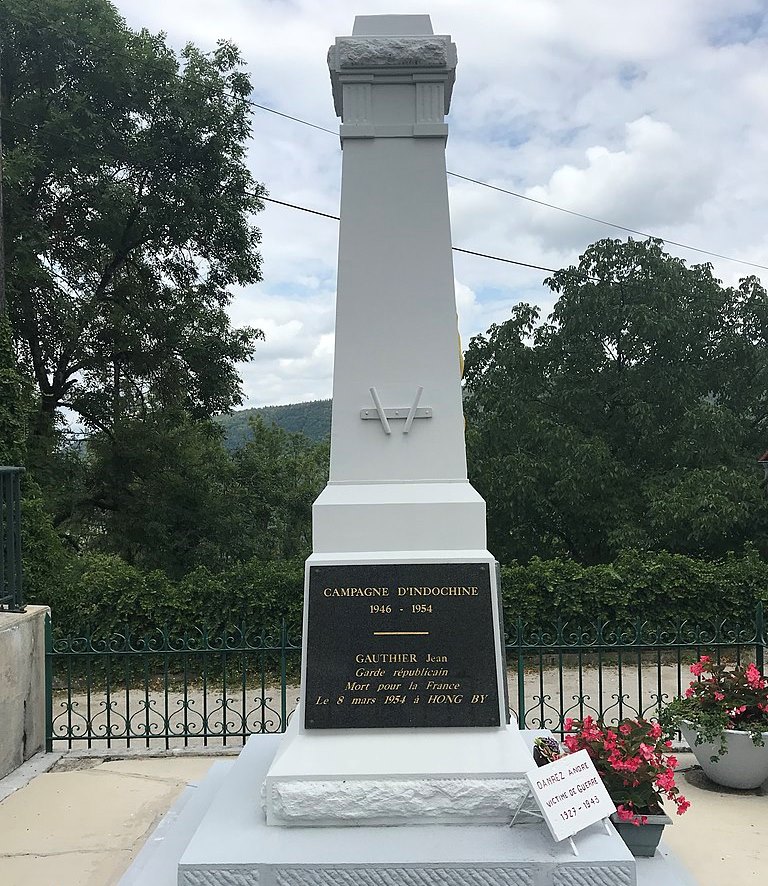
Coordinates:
[22,686]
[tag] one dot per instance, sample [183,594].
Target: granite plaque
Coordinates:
[400,645]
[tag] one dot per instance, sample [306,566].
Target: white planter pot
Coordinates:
[745,766]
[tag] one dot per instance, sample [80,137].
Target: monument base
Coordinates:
[233,845]
[403,777]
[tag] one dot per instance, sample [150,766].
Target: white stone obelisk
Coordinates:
[396,323]
[398,491]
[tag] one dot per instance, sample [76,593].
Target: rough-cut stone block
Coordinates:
[378,52]
[430,800]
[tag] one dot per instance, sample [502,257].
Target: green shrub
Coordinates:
[105,594]
[655,587]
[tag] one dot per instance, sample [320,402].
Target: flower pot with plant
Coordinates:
[724,718]
[634,762]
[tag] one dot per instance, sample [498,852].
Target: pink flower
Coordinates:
[646,751]
[568,724]
[655,731]
[625,729]
[754,678]
[696,669]
[682,805]
[572,743]
[689,692]
[719,696]
[666,780]
[625,813]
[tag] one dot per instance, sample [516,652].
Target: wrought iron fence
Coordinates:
[11,592]
[160,689]
[613,670]
[199,688]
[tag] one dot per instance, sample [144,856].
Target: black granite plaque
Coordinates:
[400,645]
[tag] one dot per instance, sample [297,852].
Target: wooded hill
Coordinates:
[313,419]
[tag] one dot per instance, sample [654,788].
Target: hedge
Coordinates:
[104,594]
[657,587]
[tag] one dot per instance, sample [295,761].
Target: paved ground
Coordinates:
[82,822]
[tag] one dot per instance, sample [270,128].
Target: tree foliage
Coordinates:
[128,213]
[631,418]
[129,218]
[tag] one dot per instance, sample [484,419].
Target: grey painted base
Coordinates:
[233,846]
[157,863]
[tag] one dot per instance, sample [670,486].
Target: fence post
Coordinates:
[520,676]
[283,688]
[48,684]
[11,590]
[760,638]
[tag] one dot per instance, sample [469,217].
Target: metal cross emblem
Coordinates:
[404,412]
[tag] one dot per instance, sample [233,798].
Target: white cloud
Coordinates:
[653,182]
[651,115]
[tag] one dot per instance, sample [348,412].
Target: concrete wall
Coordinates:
[22,686]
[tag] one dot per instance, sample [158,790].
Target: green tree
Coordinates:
[160,495]
[279,476]
[631,418]
[128,213]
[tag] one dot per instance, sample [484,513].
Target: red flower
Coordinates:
[631,759]
[666,780]
[754,677]
[572,743]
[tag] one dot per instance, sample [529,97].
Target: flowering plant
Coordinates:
[721,699]
[634,762]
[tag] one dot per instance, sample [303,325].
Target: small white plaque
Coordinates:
[570,794]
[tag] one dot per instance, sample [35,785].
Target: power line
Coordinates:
[466,178]
[302,208]
[601,221]
[337,218]
[281,114]
[509,261]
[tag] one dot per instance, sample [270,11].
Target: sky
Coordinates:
[649,115]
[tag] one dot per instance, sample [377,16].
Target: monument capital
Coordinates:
[392,77]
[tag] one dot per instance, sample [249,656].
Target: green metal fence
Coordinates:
[162,689]
[613,670]
[198,688]
[11,591]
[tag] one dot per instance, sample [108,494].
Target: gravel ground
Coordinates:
[548,694]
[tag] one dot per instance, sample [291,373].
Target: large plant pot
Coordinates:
[745,766]
[641,839]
